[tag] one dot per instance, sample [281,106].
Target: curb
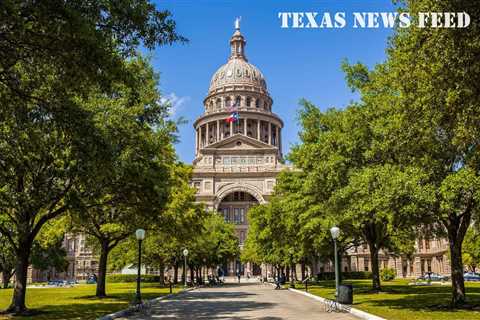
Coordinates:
[127,312]
[356,312]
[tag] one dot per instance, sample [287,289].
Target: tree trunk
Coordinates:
[102,270]
[457,227]
[162,274]
[18,300]
[456,264]
[175,273]
[375,267]
[287,273]
[191,274]
[303,270]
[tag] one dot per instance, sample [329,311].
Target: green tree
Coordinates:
[471,249]
[7,261]
[134,192]
[52,53]
[427,100]
[355,187]
[182,221]
[215,245]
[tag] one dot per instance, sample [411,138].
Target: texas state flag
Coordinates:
[233,117]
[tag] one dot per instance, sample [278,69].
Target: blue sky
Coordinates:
[297,63]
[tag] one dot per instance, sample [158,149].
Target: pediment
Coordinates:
[239,142]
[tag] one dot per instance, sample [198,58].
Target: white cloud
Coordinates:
[176,102]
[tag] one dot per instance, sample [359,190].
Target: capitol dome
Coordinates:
[238,71]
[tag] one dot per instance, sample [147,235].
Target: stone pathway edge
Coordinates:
[356,312]
[127,312]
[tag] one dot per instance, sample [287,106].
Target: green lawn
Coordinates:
[80,302]
[399,301]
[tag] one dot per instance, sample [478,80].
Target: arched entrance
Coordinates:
[233,206]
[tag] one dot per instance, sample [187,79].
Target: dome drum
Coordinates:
[241,99]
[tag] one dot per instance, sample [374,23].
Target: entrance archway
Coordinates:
[233,206]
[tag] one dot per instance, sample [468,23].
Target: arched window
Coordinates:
[257,103]
[219,103]
[237,101]
[265,105]
[228,102]
[249,101]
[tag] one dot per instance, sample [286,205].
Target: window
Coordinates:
[218,103]
[236,215]
[237,101]
[242,237]
[228,102]
[427,244]
[365,264]
[242,215]
[420,244]
[225,214]
[249,101]
[196,185]
[257,103]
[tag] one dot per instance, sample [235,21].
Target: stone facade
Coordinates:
[81,262]
[236,163]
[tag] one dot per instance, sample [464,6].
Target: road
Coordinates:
[241,302]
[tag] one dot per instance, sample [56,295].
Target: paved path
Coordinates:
[241,302]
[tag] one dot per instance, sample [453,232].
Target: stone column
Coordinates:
[258,130]
[207,135]
[196,141]
[231,128]
[269,133]
[277,136]
[280,140]
[245,126]
[218,130]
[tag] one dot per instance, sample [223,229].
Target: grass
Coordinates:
[80,302]
[399,301]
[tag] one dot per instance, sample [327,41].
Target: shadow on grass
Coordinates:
[407,297]
[73,311]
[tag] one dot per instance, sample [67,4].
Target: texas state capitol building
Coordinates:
[236,163]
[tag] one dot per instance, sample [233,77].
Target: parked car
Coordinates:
[432,276]
[471,276]
[58,283]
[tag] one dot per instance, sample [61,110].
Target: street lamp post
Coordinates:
[185,254]
[335,231]
[140,235]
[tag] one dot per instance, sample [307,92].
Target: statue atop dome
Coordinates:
[237,23]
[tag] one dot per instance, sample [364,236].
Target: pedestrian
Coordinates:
[238,276]
[277,282]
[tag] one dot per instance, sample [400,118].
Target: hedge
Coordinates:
[131,278]
[345,275]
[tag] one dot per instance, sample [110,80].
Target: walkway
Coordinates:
[241,302]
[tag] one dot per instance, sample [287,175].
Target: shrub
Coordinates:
[387,274]
[344,275]
[112,278]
